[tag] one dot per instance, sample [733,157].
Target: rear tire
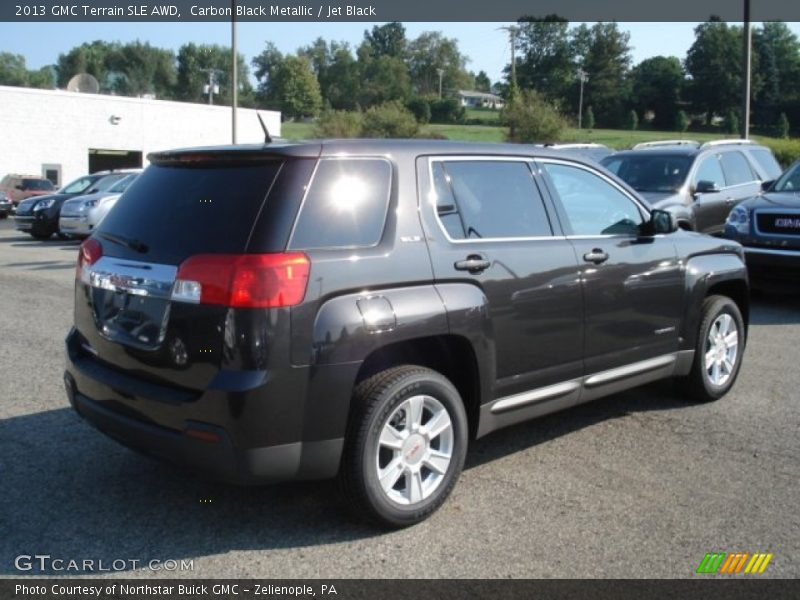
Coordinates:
[719,350]
[41,236]
[405,446]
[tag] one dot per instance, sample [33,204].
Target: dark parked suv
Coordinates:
[364,308]
[698,184]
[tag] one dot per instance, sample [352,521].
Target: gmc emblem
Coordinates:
[788,223]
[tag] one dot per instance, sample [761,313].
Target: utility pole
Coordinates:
[513,30]
[441,74]
[211,87]
[583,76]
[234,73]
[747,44]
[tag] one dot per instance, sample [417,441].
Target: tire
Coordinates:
[399,404]
[41,236]
[711,380]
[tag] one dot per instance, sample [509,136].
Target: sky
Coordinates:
[484,43]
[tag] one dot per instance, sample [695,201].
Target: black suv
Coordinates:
[364,308]
[698,184]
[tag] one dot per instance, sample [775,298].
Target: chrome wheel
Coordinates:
[721,349]
[414,450]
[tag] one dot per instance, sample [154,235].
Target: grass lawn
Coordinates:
[785,150]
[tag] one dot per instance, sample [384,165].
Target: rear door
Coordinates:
[741,180]
[488,225]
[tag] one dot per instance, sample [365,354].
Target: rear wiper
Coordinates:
[134,245]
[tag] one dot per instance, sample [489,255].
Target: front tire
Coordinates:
[719,349]
[405,446]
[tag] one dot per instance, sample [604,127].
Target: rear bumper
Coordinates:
[199,441]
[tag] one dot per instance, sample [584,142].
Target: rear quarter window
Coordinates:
[345,206]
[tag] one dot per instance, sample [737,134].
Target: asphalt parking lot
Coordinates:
[641,484]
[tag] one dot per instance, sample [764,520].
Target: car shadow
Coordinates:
[72,493]
[43,265]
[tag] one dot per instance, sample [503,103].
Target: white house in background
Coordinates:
[472,99]
[64,135]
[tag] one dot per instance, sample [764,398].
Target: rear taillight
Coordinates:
[243,280]
[89,253]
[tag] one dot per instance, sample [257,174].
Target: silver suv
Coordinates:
[697,183]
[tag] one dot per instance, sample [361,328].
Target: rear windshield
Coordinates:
[650,173]
[172,212]
[37,184]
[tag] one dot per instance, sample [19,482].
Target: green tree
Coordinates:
[389,120]
[383,79]
[143,69]
[776,73]
[533,118]
[731,123]
[194,62]
[783,126]
[682,121]
[95,58]
[656,85]
[44,78]
[429,53]
[547,58]
[588,118]
[294,88]
[714,64]
[482,82]
[387,40]
[339,124]
[606,60]
[632,123]
[12,69]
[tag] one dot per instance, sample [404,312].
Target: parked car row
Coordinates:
[74,210]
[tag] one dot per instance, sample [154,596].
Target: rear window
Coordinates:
[173,212]
[345,206]
[37,184]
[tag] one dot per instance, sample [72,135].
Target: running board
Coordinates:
[545,400]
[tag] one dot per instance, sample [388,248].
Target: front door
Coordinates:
[633,285]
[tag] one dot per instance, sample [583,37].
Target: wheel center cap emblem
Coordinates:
[413,448]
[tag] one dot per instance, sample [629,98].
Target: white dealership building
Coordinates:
[63,135]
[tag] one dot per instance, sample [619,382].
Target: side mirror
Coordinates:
[661,222]
[706,187]
[765,185]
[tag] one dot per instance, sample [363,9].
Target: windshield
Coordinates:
[37,184]
[660,173]
[789,181]
[79,185]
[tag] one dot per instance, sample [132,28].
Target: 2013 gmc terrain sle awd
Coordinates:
[364,308]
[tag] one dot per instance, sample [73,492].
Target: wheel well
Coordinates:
[737,291]
[450,355]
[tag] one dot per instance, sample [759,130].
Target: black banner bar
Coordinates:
[738,588]
[391,10]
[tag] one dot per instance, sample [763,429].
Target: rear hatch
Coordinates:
[188,219]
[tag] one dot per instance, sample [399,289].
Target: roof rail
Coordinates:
[725,142]
[666,143]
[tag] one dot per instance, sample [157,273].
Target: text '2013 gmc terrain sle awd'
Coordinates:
[364,308]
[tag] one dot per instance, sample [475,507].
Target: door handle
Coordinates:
[729,200]
[474,263]
[596,256]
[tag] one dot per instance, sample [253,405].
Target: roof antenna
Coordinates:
[267,136]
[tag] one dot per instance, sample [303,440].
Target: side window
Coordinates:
[766,161]
[493,199]
[346,205]
[737,169]
[709,170]
[593,206]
